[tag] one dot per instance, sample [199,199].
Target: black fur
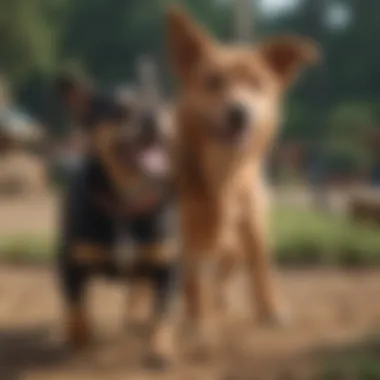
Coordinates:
[164,278]
[84,220]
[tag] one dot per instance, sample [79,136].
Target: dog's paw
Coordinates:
[204,342]
[281,318]
[162,346]
[158,362]
[78,334]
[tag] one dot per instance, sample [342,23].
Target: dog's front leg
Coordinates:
[260,267]
[227,268]
[199,276]
[136,303]
[158,264]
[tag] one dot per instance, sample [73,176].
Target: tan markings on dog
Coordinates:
[139,301]
[220,155]
[104,136]
[159,252]
[139,296]
[162,338]
[78,330]
[89,253]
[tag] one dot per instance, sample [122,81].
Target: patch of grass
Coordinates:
[305,237]
[27,249]
[360,362]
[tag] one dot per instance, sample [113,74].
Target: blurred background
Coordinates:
[324,171]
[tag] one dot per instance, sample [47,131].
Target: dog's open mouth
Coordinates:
[235,136]
[123,154]
[148,159]
[231,137]
[153,161]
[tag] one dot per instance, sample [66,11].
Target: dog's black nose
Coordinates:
[237,116]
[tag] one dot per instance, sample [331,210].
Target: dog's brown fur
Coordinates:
[222,197]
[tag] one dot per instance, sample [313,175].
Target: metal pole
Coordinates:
[147,76]
[243,20]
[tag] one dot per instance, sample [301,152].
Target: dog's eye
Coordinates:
[214,82]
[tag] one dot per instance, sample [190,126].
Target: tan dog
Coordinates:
[226,117]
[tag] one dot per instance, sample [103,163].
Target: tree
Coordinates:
[27,38]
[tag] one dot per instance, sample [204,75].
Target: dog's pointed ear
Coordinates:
[286,56]
[75,94]
[186,39]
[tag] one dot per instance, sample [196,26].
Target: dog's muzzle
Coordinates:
[236,122]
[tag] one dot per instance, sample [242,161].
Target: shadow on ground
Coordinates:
[28,349]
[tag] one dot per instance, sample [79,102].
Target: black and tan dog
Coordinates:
[122,182]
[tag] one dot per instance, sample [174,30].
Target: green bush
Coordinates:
[361,362]
[304,237]
[346,157]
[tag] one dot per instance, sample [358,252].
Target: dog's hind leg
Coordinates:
[74,278]
[75,267]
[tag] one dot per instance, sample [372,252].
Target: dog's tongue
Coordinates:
[153,161]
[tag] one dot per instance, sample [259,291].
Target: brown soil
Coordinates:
[331,309]
[27,215]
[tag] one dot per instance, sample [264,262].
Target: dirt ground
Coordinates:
[28,215]
[331,309]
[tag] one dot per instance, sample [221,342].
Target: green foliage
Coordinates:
[304,237]
[27,249]
[109,49]
[359,362]
[106,37]
[27,38]
[298,123]
[39,37]
[346,157]
[351,119]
